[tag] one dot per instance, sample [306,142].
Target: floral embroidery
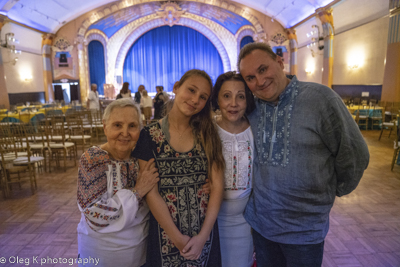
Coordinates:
[182,176]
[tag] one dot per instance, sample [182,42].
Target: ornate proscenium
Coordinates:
[170,13]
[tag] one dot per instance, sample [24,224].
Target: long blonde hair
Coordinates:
[203,127]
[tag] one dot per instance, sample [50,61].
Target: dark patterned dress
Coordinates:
[182,176]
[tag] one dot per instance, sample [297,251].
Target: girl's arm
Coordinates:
[194,247]
[160,211]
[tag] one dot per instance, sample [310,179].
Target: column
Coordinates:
[83,69]
[3,86]
[293,50]
[47,42]
[391,78]
[326,18]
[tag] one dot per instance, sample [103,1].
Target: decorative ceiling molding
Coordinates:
[144,7]
[170,13]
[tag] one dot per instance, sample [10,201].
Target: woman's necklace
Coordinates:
[180,134]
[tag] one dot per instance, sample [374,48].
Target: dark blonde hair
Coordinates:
[203,127]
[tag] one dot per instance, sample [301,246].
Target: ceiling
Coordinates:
[50,15]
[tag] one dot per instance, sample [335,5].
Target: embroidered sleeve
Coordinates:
[116,208]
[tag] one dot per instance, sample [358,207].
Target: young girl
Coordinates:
[187,151]
[234,99]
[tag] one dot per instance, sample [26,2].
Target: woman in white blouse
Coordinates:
[234,99]
[114,218]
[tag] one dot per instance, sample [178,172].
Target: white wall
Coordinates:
[30,61]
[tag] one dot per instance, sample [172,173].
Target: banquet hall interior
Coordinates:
[53,50]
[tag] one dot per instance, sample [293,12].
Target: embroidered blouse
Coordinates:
[238,154]
[104,202]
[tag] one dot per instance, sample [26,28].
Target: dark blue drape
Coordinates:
[161,56]
[246,40]
[97,65]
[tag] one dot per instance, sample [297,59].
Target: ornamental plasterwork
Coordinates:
[170,13]
[279,38]
[115,42]
[62,44]
[226,37]
[146,8]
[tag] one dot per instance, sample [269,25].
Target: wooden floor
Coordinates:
[364,226]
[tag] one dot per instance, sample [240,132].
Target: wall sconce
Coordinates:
[355,60]
[8,43]
[309,69]
[353,66]
[316,38]
[26,77]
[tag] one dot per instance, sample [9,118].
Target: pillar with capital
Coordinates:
[291,33]
[3,87]
[326,18]
[391,79]
[47,42]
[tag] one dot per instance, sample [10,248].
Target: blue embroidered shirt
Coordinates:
[308,150]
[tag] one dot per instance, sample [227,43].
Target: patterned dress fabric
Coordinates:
[235,233]
[114,223]
[182,176]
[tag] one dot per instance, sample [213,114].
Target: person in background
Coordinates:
[93,98]
[234,100]
[146,103]
[158,103]
[308,151]
[125,92]
[114,216]
[187,150]
[138,94]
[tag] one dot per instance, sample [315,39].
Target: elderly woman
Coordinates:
[114,218]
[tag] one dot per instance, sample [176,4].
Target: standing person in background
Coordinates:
[138,94]
[146,103]
[93,99]
[308,151]
[235,100]
[125,92]
[187,150]
[158,103]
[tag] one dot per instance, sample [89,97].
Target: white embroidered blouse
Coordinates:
[238,154]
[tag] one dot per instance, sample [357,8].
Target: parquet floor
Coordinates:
[364,226]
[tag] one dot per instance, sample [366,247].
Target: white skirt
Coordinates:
[235,234]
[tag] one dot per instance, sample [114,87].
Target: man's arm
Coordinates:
[344,139]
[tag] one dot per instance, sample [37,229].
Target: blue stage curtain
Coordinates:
[246,40]
[97,65]
[161,56]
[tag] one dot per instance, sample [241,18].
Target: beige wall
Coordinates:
[365,45]
[30,61]
[310,59]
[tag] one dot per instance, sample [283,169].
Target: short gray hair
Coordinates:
[247,49]
[122,103]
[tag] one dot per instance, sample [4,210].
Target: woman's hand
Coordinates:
[181,242]
[207,187]
[147,178]
[194,247]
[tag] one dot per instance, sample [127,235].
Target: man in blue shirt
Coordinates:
[308,151]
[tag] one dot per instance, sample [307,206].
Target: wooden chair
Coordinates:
[396,145]
[362,118]
[17,169]
[77,132]
[59,145]
[376,118]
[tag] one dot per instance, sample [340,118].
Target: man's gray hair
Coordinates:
[93,85]
[247,49]
[122,103]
